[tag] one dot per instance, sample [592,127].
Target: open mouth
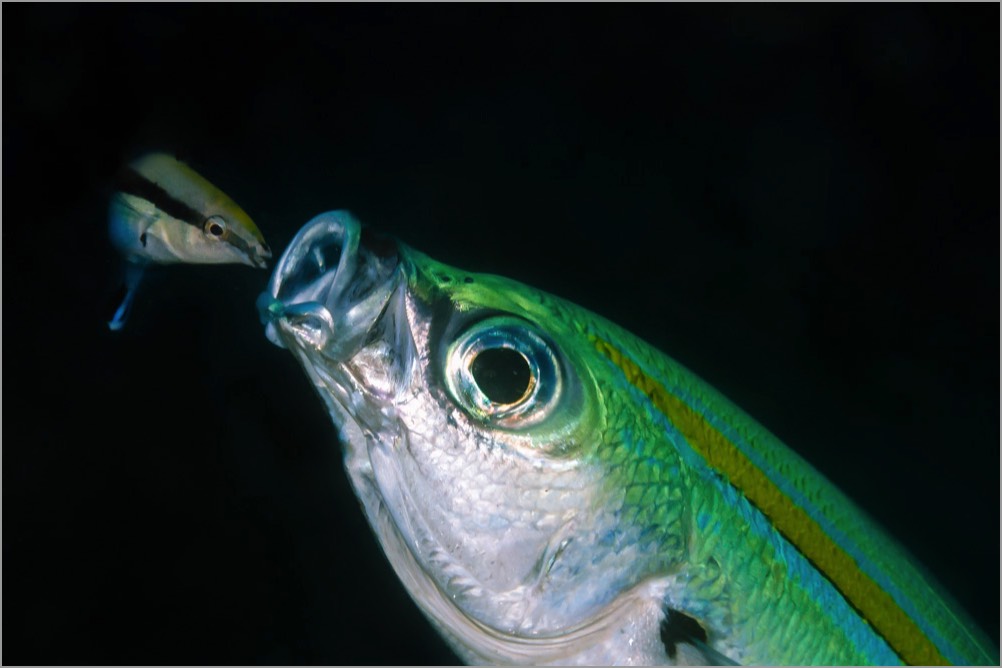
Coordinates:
[330,287]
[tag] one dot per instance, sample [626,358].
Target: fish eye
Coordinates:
[504,371]
[502,374]
[214,226]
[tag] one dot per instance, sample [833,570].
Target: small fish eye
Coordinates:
[214,226]
[504,371]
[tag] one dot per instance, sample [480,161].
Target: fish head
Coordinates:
[478,436]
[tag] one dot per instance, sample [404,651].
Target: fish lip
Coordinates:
[334,222]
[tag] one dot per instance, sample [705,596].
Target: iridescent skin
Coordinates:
[565,531]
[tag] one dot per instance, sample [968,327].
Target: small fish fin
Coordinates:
[686,643]
[130,224]
[121,315]
[144,227]
[133,276]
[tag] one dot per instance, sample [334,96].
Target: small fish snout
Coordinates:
[262,253]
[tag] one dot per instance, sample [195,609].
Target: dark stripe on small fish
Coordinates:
[131,182]
[238,242]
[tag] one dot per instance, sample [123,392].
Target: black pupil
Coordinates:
[501,374]
[215,229]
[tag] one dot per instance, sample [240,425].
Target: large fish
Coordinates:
[164,212]
[550,489]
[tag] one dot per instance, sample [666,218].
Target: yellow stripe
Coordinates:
[874,604]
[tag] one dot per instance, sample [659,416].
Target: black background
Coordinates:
[799,203]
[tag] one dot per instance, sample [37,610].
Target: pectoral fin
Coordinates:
[686,643]
[133,276]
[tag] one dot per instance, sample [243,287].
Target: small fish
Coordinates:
[164,212]
[552,490]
